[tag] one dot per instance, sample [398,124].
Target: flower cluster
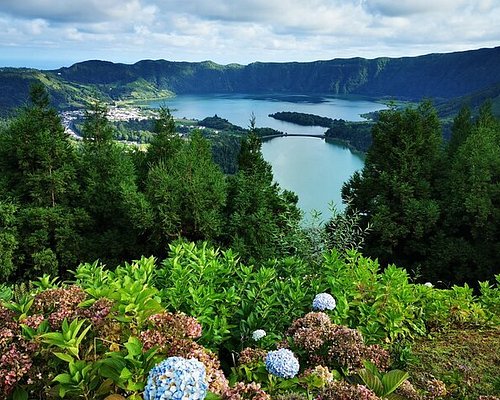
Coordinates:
[435,389]
[408,391]
[311,332]
[98,311]
[258,334]
[7,320]
[15,353]
[167,327]
[323,301]
[246,391]
[378,356]
[341,390]
[59,304]
[322,373]
[252,356]
[282,363]
[217,382]
[347,348]
[14,365]
[33,321]
[151,338]
[177,325]
[176,378]
[324,343]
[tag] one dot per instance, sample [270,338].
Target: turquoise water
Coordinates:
[310,167]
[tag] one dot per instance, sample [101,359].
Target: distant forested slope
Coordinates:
[439,76]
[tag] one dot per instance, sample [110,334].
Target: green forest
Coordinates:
[115,257]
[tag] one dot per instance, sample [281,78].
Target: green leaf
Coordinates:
[63,378]
[212,396]
[20,394]
[372,368]
[105,387]
[134,346]
[135,386]
[125,374]
[64,357]
[73,350]
[372,382]
[393,379]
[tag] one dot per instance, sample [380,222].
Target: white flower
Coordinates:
[258,334]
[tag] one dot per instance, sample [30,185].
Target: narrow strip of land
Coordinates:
[321,136]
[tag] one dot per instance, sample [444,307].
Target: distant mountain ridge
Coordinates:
[440,76]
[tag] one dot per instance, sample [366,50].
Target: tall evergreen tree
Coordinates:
[165,142]
[461,128]
[187,191]
[396,189]
[9,241]
[110,195]
[38,165]
[469,245]
[38,156]
[259,213]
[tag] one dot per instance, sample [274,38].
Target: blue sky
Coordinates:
[54,33]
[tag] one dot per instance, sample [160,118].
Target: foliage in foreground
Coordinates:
[103,332]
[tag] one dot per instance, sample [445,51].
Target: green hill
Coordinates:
[439,76]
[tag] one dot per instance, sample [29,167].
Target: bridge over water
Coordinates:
[320,136]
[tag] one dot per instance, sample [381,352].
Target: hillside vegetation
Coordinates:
[133,272]
[439,76]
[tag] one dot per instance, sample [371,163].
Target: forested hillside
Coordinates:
[440,76]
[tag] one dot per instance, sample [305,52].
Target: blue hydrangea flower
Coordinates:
[282,363]
[323,301]
[258,334]
[176,378]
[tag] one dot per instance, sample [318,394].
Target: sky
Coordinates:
[49,34]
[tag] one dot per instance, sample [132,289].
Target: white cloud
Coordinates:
[244,30]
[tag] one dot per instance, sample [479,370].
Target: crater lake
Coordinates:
[311,167]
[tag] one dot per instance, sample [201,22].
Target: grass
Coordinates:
[467,361]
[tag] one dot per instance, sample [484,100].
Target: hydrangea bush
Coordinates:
[321,342]
[177,378]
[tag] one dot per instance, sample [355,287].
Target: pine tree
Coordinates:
[119,213]
[396,190]
[38,166]
[187,191]
[259,213]
[469,245]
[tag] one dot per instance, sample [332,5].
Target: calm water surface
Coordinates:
[310,167]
